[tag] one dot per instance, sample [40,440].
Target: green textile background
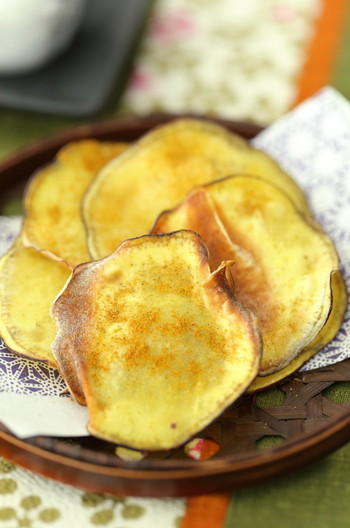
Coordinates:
[317,496]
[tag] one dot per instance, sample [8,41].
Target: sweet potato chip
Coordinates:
[158,171]
[52,204]
[159,343]
[328,332]
[29,282]
[282,261]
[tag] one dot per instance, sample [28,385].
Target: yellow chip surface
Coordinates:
[159,170]
[29,283]
[52,203]
[282,261]
[159,343]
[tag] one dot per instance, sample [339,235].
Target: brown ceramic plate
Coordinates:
[306,425]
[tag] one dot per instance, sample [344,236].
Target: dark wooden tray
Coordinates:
[306,424]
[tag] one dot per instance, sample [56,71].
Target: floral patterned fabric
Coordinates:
[27,500]
[239,60]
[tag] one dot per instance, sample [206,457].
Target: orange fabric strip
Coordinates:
[321,55]
[206,511]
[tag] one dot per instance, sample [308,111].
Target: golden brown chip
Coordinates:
[29,282]
[282,261]
[158,171]
[159,343]
[328,332]
[52,203]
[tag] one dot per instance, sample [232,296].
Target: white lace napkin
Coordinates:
[312,143]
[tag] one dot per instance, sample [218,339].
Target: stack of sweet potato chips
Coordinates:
[168,277]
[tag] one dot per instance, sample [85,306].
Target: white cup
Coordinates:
[33,32]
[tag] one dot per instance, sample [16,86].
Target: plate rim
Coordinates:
[199,478]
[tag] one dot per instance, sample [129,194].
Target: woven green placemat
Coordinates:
[316,496]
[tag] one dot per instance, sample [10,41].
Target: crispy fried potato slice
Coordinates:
[29,282]
[158,171]
[283,261]
[52,203]
[160,344]
[328,332]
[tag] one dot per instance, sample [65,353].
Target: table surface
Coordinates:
[250,61]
